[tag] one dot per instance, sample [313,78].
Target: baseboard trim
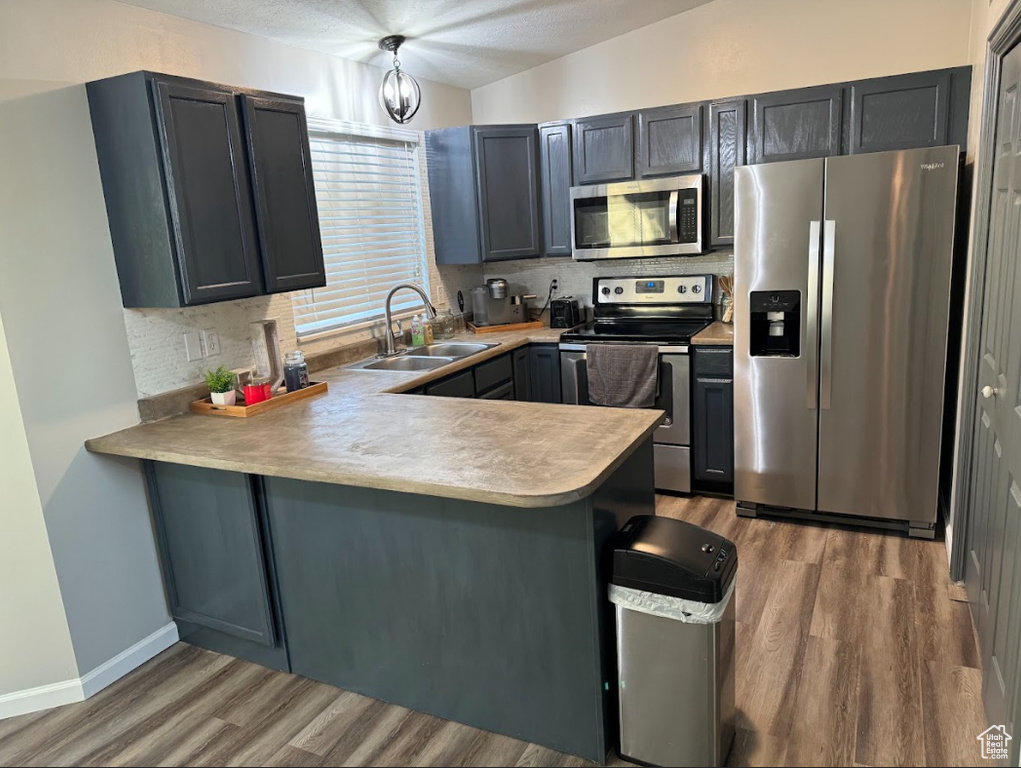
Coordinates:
[43,697]
[91,683]
[113,670]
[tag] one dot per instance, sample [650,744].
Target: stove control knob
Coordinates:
[605,291]
[618,290]
[696,289]
[682,289]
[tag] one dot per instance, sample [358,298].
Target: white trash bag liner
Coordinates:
[667,607]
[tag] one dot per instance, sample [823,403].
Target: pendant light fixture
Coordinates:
[399,94]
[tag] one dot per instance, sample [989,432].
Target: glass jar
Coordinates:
[444,324]
[295,371]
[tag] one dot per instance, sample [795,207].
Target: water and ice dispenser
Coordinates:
[776,323]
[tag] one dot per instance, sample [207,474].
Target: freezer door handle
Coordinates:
[826,348]
[812,316]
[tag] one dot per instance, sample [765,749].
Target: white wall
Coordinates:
[63,321]
[734,47]
[35,645]
[724,48]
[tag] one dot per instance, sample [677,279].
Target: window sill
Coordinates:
[355,328]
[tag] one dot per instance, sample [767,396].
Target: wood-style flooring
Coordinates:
[853,648]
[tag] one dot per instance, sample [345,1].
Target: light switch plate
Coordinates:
[192,346]
[211,342]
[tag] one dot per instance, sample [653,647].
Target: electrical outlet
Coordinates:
[211,342]
[192,346]
[555,284]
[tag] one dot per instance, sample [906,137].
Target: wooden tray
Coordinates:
[508,327]
[282,397]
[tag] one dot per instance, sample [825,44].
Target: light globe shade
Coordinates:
[400,96]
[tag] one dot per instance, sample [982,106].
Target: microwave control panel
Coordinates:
[687,216]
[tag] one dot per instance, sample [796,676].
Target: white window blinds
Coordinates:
[370,216]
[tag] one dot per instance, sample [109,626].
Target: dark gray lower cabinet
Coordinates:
[459,385]
[211,535]
[488,615]
[712,419]
[544,369]
[522,375]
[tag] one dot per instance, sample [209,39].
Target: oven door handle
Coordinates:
[674,201]
[679,349]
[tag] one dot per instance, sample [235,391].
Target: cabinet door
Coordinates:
[544,363]
[522,375]
[669,140]
[285,200]
[555,176]
[713,430]
[900,112]
[507,167]
[603,149]
[212,551]
[795,125]
[209,190]
[458,385]
[727,136]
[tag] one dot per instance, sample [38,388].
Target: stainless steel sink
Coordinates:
[406,363]
[455,349]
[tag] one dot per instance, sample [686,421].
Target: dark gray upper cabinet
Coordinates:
[176,178]
[508,188]
[795,125]
[484,190]
[285,202]
[906,111]
[604,149]
[555,185]
[669,141]
[212,550]
[727,137]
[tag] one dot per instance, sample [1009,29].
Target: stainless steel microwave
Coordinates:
[631,219]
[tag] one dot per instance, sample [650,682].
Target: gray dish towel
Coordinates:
[622,375]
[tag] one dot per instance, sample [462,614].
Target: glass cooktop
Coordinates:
[658,331]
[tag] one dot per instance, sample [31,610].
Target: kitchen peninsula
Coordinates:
[439,553]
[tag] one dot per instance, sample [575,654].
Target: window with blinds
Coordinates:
[370,216]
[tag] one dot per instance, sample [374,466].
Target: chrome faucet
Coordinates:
[391,341]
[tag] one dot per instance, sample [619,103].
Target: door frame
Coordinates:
[1004,36]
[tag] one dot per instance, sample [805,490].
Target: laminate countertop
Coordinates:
[718,334]
[363,433]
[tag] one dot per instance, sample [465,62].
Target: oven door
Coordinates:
[672,438]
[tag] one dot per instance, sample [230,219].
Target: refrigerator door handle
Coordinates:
[826,348]
[812,316]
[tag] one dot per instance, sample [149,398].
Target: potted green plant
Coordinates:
[221,386]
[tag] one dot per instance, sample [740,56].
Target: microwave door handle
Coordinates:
[672,205]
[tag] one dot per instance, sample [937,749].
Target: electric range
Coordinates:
[665,311]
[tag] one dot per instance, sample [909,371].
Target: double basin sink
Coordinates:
[424,358]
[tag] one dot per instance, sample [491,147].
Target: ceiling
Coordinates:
[466,43]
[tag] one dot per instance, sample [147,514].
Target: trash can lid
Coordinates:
[672,557]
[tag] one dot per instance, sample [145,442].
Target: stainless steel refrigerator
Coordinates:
[842,270]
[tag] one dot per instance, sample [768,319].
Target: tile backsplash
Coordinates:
[534,275]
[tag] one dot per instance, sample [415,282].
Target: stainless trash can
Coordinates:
[673,590]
